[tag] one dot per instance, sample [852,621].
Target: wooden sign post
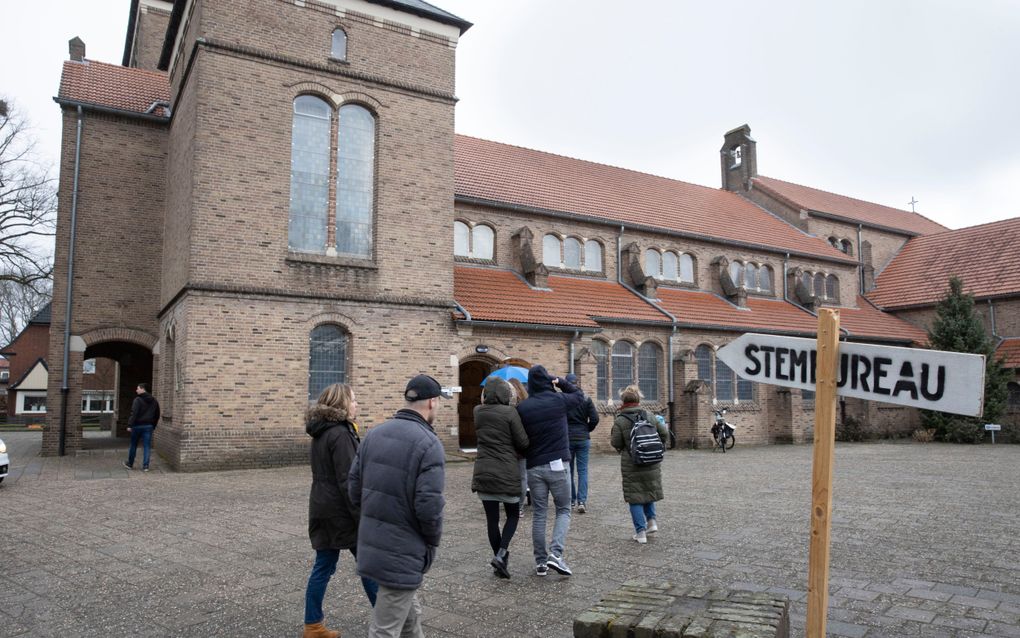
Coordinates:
[821,473]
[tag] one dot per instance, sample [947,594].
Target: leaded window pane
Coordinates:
[355,181]
[482,241]
[598,348]
[551,251]
[687,269]
[653,263]
[745,390]
[765,279]
[327,359]
[669,266]
[339,48]
[750,277]
[309,174]
[1013,396]
[461,239]
[723,381]
[737,273]
[819,282]
[623,366]
[593,255]
[832,287]
[571,253]
[703,355]
[649,370]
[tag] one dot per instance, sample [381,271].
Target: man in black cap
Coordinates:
[396,480]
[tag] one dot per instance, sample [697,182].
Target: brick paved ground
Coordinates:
[924,544]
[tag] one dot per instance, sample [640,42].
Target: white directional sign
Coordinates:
[930,379]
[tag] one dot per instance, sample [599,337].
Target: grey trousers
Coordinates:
[397,614]
[543,482]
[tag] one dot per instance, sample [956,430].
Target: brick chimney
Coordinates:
[739,159]
[77,49]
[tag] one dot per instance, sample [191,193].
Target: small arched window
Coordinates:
[834,243]
[808,280]
[737,272]
[327,358]
[593,255]
[309,174]
[355,181]
[653,263]
[461,239]
[832,288]
[571,253]
[670,266]
[765,278]
[723,381]
[601,352]
[482,240]
[649,370]
[338,50]
[551,251]
[686,269]
[848,247]
[623,366]
[703,356]
[819,285]
[751,277]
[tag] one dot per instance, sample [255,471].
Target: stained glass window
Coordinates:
[623,366]
[649,370]
[327,358]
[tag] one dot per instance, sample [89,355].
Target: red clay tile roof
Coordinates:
[1009,350]
[985,257]
[868,321]
[117,87]
[518,176]
[856,209]
[500,295]
[699,308]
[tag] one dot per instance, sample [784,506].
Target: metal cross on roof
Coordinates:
[912,202]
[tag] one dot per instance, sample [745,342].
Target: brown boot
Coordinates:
[318,630]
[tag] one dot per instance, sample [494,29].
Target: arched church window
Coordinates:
[482,241]
[649,370]
[309,174]
[686,268]
[338,48]
[327,358]
[653,263]
[593,255]
[461,239]
[355,182]
[551,251]
[571,253]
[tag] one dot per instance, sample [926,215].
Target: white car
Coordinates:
[5,461]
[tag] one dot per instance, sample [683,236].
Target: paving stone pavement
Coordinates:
[924,544]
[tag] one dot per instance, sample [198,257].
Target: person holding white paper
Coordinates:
[544,415]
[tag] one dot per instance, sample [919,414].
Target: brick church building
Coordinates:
[271,197]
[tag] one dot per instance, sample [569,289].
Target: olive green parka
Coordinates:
[641,483]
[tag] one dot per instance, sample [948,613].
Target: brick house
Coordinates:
[272,197]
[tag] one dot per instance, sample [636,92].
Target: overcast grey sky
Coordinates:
[878,99]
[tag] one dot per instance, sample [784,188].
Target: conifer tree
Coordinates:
[958,329]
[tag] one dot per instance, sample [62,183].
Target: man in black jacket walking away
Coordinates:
[580,422]
[142,422]
[397,482]
[544,415]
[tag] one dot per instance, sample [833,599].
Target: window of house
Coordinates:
[551,251]
[649,366]
[724,383]
[5,375]
[601,351]
[31,402]
[476,241]
[461,239]
[97,402]
[338,50]
[327,358]
[88,366]
[1013,396]
[686,268]
[622,366]
[571,253]
[592,255]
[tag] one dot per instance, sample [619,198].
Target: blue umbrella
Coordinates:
[509,372]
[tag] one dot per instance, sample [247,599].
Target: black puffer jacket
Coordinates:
[332,518]
[500,437]
[144,410]
[544,415]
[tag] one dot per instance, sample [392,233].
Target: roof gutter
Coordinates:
[517,325]
[99,108]
[591,219]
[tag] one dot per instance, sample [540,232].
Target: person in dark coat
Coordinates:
[497,475]
[544,415]
[520,394]
[397,480]
[580,423]
[642,484]
[332,518]
[141,424]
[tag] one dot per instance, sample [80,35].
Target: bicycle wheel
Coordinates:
[733,441]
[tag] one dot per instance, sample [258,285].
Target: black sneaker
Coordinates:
[128,466]
[557,563]
[541,570]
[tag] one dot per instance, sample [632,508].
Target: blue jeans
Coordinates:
[542,481]
[143,432]
[579,459]
[322,571]
[640,513]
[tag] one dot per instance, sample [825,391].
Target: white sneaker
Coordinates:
[641,537]
[652,526]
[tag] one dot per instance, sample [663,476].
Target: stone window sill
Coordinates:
[596,274]
[461,259]
[333,60]
[331,260]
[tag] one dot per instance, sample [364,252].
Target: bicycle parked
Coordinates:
[722,431]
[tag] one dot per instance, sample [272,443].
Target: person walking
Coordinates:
[520,394]
[544,415]
[580,423]
[332,518]
[397,480]
[141,424]
[642,484]
[497,475]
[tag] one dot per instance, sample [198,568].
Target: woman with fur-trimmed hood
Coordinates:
[332,518]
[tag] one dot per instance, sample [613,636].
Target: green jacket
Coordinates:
[501,437]
[641,483]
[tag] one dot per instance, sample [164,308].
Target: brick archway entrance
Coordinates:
[134,366]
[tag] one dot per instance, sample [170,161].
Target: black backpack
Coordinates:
[646,447]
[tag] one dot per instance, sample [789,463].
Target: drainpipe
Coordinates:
[577,335]
[786,291]
[462,310]
[64,389]
[670,399]
[991,316]
[860,259]
[158,103]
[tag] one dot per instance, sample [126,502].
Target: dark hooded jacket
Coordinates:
[397,480]
[332,518]
[582,420]
[500,437]
[144,410]
[544,415]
